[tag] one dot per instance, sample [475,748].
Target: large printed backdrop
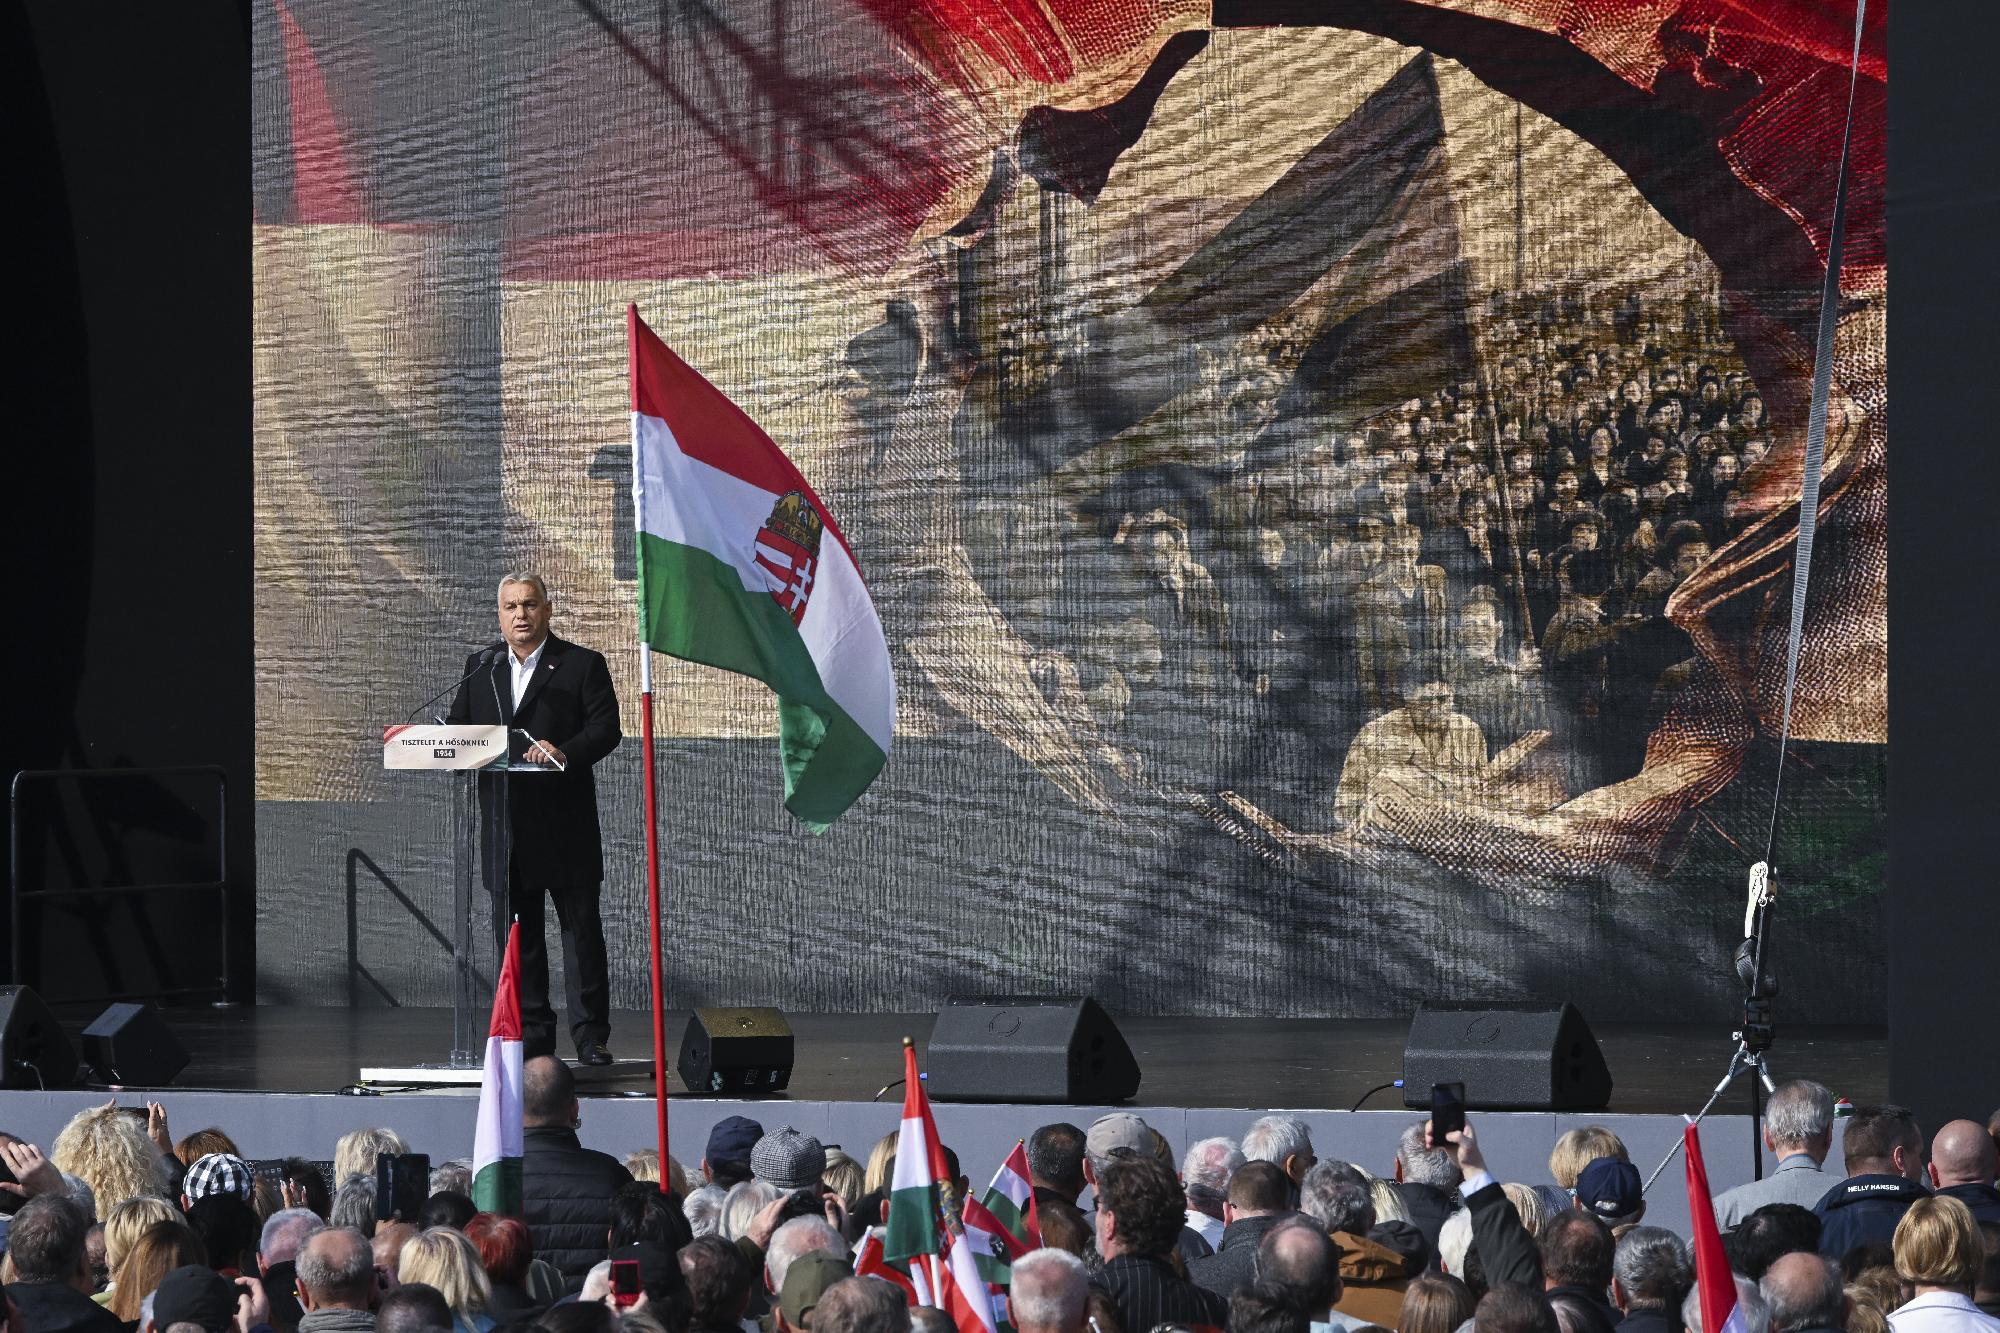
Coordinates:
[1329,490]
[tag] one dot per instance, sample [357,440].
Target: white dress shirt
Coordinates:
[524,670]
[1941,1312]
[1208,1228]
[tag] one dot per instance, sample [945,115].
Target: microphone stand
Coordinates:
[485,656]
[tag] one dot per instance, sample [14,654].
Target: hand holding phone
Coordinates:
[626,1285]
[1447,1112]
[402,1184]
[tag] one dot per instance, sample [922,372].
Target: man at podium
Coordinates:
[556,698]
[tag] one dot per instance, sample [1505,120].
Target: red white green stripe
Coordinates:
[496,1143]
[742,567]
[949,1276]
[1003,1224]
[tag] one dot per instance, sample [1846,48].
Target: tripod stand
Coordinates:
[1754,1035]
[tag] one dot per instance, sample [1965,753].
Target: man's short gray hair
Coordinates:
[1749,1302]
[1800,1111]
[1206,1170]
[704,1210]
[861,1305]
[285,1231]
[1435,1167]
[454,1177]
[532,580]
[1276,1137]
[1805,1293]
[1049,1289]
[1652,1265]
[795,1240]
[344,1272]
[741,1205]
[354,1205]
[1334,1198]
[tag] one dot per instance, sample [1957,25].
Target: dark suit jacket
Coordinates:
[51,1307]
[569,704]
[1233,1266]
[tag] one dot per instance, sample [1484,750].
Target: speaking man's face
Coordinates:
[524,616]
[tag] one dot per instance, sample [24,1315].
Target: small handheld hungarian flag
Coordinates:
[496,1143]
[1003,1224]
[944,1271]
[742,567]
[1720,1312]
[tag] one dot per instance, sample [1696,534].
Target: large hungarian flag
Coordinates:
[742,567]
[944,1271]
[1720,1312]
[496,1143]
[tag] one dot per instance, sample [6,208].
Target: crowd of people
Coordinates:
[121,1226]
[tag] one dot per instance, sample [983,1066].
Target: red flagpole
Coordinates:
[654,907]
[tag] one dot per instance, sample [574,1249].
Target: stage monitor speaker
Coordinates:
[1028,1048]
[736,1050]
[34,1052]
[1511,1057]
[131,1045]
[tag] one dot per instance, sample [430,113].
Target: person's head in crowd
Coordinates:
[336,1271]
[1723,470]
[845,1177]
[726,1160]
[1799,1119]
[1754,450]
[1529,1206]
[196,1296]
[584,1316]
[203,1142]
[130,1220]
[414,1307]
[1688,548]
[639,1212]
[1749,1306]
[387,1246]
[1435,1303]
[718,1283]
[881,1171]
[1064,1226]
[447,1259]
[1775,1230]
[1650,1270]
[1582,532]
[45,1242]
[703,1210]
[548,1094]
[1938,1248]
[1435,1168]
[741,1205]
[1055,1159]
[216,1174]
[355,1153]
[1508,1308]
[1386,1199]
[1883,1140]
[1590,577]
[1862,1259]
[504,1247]
[1454,1246]
[1265,1307]
[1963,1154]
[861,1305]
[354,1205]
[1111,1137]
[1804,1291]
[788,1159]
[1863,1317]
[1138,1208]
[453,1177]
[108,1151]
[307,1179]
[793,1241]
[1337,1200]
[448,1208]
[1050,1292]
[1611,1191]
[229,1231]
[1303,1259]
[806,1283]
[1577,1252]
[160,1249]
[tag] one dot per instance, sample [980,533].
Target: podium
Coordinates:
[475,762]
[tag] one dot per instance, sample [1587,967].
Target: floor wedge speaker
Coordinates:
[34,1052]
[131,1045]
[1028,1048]
[1510,1057]
[736,1051]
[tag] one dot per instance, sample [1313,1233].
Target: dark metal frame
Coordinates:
[219,886]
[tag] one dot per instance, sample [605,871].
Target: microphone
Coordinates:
[485,656]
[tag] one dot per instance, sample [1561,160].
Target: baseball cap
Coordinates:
[805,1282]
[788,1159]
[195,1295]
[1609,1188]
[218,1173]
[732,1140]
[1120,1129]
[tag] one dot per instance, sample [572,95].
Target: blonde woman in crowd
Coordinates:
[1939,1254]
[160,1249]
[356,1152]
[122,1229]
[449,1261]
[108,1150]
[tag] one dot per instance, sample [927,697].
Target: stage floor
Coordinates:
[1320,1063]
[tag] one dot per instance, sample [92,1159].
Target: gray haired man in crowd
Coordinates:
[1798,1129]
[1427,1178]
[1284,1142]
[1049,1292]
[1804,1295]
[336,1270]
[1650,1272]
[1205,1174]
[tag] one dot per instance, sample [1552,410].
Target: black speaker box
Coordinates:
[1028,1048]
[736,1050]
[131,1045]
[1511,1057]
[34,1052]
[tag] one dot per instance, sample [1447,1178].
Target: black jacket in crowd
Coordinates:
[1506,1251]
[1233,1266]
[57,1307]
[1428,1206]
[566,1192]
[1983,1200]
[1864,1210]
[1148,1292]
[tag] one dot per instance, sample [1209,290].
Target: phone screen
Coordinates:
[1447,1110]
[625,1282]
[402,1184]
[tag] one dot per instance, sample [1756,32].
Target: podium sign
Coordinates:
[435,748]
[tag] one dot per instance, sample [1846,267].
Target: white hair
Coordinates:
[285,1231]
[1426,1166]
[1048,1289]
[741,1206]
[1207,1168]
[1749,1304]
[1455,1242]
[532,580]
[704,1209]
[1800,1111]
[1276,1137]
[356,1152]
[795,1240]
